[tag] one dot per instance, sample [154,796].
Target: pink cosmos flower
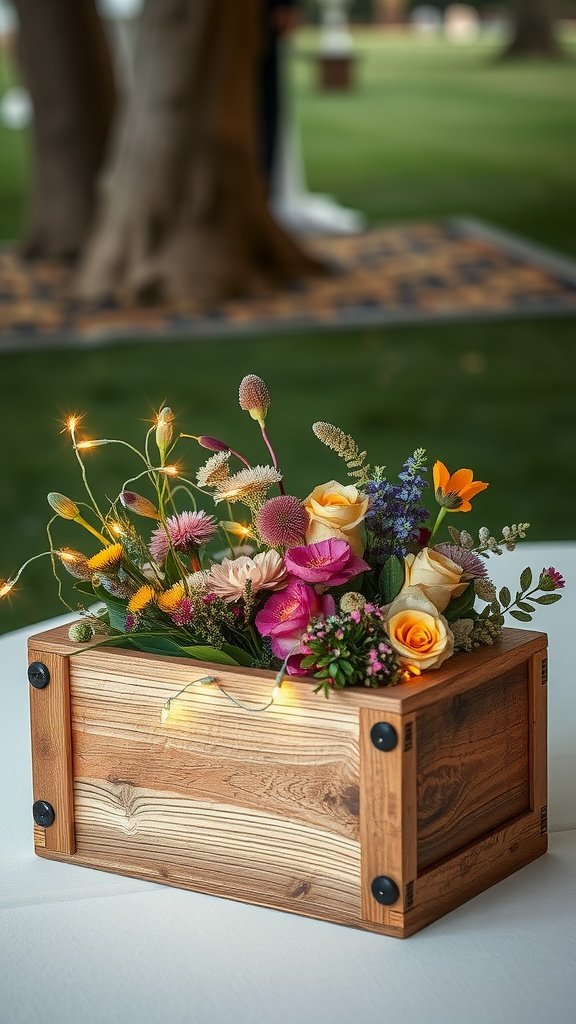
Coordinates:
[285,616]
[329,562]
[187,531]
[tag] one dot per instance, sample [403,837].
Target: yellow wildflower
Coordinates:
[170,599]
[141,599]
[108,558]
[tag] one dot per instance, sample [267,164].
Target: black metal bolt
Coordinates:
[43,813]
[385,890]
[384,736]
[38,675]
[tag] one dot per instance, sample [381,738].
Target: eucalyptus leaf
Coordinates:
[391,579]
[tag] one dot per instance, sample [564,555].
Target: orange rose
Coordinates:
[336,511]
[418,633]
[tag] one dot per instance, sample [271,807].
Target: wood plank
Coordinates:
[301,762]
[473,764]
[220,849]
[461,671]
[447,885]
[538,679]
[387,814]
[52,751]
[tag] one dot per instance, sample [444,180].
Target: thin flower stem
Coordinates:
[84,475]
[82,522]
[442,512]
[232,451]
[53,561]
[272,454]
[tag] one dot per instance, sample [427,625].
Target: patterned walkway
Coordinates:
[412,273]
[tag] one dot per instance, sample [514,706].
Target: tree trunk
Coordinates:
[67,69]
[183,214]
[534,34]
[390,12]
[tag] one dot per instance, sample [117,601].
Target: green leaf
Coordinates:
[174,571]
[521,616]
[308,661]
[525,607]
[242,657]
[205,653]
[155,645]
[347,668]
[526,579]
[391,579]
[505,597]
[548,598]
[459,606]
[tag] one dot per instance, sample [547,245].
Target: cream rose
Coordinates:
[437,576]
[418,633]
[336,511]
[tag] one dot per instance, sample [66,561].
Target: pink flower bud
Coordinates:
[141,506]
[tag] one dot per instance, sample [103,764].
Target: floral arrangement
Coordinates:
[351,585]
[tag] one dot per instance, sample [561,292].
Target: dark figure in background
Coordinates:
[280,18]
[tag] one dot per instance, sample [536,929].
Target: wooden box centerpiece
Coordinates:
[380,808]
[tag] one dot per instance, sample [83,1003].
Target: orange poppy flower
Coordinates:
[453,491]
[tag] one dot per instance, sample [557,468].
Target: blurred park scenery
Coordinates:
[431,127]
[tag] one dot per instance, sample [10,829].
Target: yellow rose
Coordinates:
[336,511]
[418,633]
[437,576]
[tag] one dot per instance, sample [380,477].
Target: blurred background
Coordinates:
[377,126]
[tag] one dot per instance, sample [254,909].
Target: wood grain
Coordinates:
[464,671]
[447,885]
[52,751]
[538,690]
[219,848]
[295,808]
[387,813]
[473,766]
[288,760]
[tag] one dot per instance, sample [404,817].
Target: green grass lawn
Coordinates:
[434,129]
[430,131]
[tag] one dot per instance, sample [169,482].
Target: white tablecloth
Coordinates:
[82,946]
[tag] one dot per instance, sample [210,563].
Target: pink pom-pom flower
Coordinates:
[282,521]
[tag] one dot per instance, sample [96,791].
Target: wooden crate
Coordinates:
[383,809]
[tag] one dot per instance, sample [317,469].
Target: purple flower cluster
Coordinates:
[395,514]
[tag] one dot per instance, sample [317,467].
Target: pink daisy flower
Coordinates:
[187,531]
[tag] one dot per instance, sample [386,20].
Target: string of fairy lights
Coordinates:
[168,706]
[67,509]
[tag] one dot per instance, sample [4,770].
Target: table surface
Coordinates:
[82,946]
